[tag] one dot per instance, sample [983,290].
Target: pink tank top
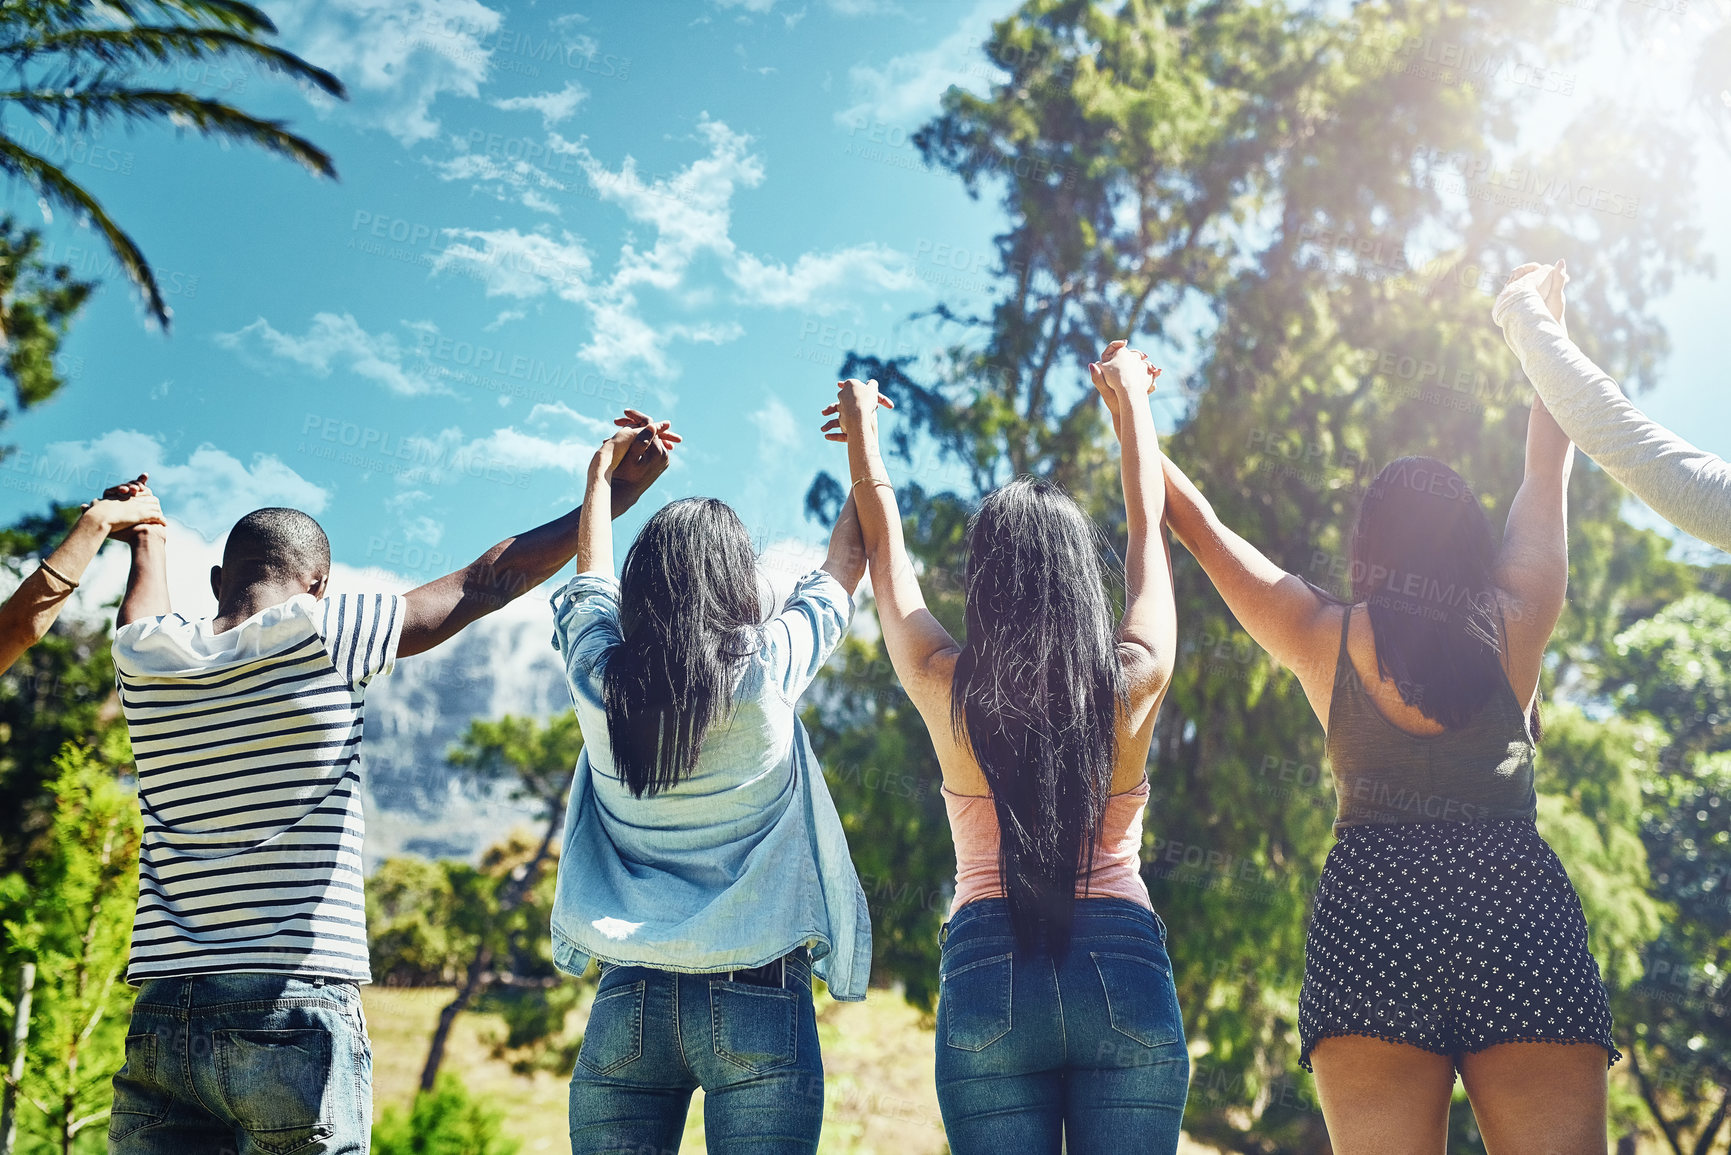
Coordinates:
[1117,856]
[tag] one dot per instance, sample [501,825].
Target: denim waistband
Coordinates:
[1090,914]
[235,991]
[798,956]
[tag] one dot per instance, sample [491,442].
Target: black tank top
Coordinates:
[1479,772]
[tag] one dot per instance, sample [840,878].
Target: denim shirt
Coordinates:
[742,861]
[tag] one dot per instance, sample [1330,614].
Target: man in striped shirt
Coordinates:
[250,940]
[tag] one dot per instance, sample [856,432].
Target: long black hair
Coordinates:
[1423,562]
[1038,691]
[688,606]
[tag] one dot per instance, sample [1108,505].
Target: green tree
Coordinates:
[60,691]
[535,760]
[1292,201]
[1669,669]
[79,66]
[37,303]
[69,924]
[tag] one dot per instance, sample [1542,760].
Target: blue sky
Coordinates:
[546,212]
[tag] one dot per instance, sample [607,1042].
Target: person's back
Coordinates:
[249,946]
[247,744]
[1058,1023]
[1445,934]
[704,864]
[704,867]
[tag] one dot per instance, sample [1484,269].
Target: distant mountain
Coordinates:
[503,664]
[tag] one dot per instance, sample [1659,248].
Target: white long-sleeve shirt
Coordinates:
[1688,487]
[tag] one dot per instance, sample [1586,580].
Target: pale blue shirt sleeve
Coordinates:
[800,639]
[586,622]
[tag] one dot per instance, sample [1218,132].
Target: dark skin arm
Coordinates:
[438,610]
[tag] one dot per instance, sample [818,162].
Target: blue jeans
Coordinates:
[1038,1055]
[244,1064]
[749,1040]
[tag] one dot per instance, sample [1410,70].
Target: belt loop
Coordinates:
[784,972]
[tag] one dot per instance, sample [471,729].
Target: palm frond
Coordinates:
[224,13]
[125,47]
[55,186]
[103,101]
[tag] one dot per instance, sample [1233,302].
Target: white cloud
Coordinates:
[906,90]
[208,492]
[331,342]
[691,213]
[554,437]
[776,427]
[814,278]
[554,107]
[503,178]
[397,57]
[521,265]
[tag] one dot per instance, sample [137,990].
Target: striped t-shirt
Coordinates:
[248,746]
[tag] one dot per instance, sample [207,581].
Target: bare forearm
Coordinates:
[1187,512]
[521,562]
[595,534]
[1550,453]
[75,554]
[846,560]
[1144,489]
[28,614]
[147,582]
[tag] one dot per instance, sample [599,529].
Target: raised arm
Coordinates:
[1285,614]
[26,616]
[1150,626]
[442,607]
[1532,567]
[1688,487]
[920,649]
[846,560]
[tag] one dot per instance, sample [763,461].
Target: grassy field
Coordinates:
[877,1059]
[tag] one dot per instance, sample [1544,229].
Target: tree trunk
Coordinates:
[473,982]
[511,896]
[1651,1098]
[1710,1132]
[15,1073]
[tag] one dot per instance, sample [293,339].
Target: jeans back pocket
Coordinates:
[1141,1000]
[974,1002]
[752,1027]
[613,1037]
[277,1085]
[138,1100]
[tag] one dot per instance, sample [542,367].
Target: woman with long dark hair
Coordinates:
[704,864]
[1058,1020]
[1445,934]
